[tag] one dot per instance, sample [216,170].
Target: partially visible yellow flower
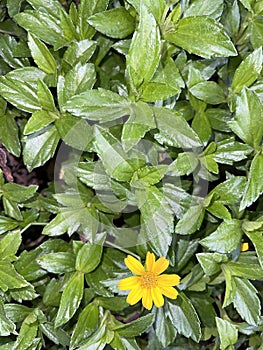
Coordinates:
[244,247]
[149,285]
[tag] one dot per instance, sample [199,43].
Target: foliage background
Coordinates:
[149,115]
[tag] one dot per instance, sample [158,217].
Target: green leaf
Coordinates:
[110,151]
[229,151]
[70,299]
[40,147]
[164,328]
[79,79]
[191,221]
[9,245]
[27,265]
[79,52]
[140,121]
[9,278]
[38,121]
[213,8]
[209,92]
[74,131]
[136,327]
[6,325]
[228,333]
[156,219]
[41,55]
[89,255]
[57,263]
[184,317]
[45,97]
[8,45]
[99,105]
[248,71]
[246,301]
[256,32]
[210,262]
[247,266]
[85,10]
[231,190]
[254,186]
[86,325]
[174,130]
[57,336]
[148,175]
[7,224]
[115,23]
[144,53]
[225,238]
[18,193]
[201,126]
[202,36]
[44,26]
[21,94]
[184,164]
[9,135]
[256,238]
[247,125]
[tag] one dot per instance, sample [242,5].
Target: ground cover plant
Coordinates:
[131,174]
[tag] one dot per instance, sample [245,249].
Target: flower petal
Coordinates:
[147,300]
[150,261]
[169,292]
[160,265]
[128,283]
[134,265]
[157,297]
[135,295]
[168,280]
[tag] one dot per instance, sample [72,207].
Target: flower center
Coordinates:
[148,280]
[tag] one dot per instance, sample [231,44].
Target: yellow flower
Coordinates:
[149,285]
[244,247]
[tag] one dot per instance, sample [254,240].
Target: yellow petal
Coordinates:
[244,247]
[169,292]
[128,283]
[150,261]
[157,297]
[147,300]
[160,265]
[134,265]
[168,280]
[135,295]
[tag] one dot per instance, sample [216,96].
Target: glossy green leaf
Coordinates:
[226,238]
[89,255]
[246,301]
[70,299]
[98,105]
[140,121]
[58,263]
[184,317]
[254,186]
[202,36]
[41,55]
[45,97]
[9,134]
[191,221]
[209,92]
[115,23]
[144,53]
[229,151]
[256,238]
[79,52]
[164,328]
[6,325]
[9,245]
[213,8]
[21,94]
[7,224]
[9,278]
[248,71]
[38,121]
[156,219]
[247,125]
[174,130]
[86,325]
[136,327]
[18,193]
[228,333]
[40,147]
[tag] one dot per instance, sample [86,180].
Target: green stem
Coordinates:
[122,249]
[31,224]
